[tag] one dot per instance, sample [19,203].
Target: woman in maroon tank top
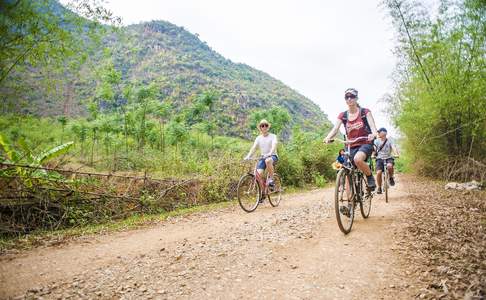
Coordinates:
[358,123]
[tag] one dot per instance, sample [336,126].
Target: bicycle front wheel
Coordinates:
[343,201]
[385,185]
[365,204]
[248,192]
[275,194]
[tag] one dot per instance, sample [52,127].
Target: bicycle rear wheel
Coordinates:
[248,192]
[385,185]
[343,201]
[275,195]
[365,203]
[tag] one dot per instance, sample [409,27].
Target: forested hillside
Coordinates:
[177,64]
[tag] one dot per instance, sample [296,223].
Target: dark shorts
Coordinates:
[261,163]
[380,163]
[366,148]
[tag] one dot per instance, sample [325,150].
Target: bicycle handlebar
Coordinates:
[350,141]
[254,158]
[393,156]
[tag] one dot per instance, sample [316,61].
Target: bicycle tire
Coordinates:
[365,203]
[385,185]
[275,196]
[345,222]
[248,192]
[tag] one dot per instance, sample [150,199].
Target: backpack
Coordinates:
[363,117]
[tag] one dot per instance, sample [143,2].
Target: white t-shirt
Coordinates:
[386,150]
[267,145]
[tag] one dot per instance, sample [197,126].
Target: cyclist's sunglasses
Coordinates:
[263,125]
[349,97]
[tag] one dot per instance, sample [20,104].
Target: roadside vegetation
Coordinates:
[439,101]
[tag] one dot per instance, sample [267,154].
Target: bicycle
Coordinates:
[385,179]
[349,192]
[253,188]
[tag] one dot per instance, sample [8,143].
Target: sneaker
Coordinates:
[379,190]
[271,184]
[261,200]
[344,210]
[371,182]
[392,181]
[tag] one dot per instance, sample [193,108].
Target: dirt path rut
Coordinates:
[294,251]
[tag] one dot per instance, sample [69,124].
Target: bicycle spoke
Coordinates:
[248,193]
[275,195]
[344,206]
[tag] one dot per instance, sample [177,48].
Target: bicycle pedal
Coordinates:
[344,210]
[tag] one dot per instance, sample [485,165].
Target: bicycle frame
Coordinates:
[355,173]
[356,176]
[262,180]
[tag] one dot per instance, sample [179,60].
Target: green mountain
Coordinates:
[181,66]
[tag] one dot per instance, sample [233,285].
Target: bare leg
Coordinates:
[348,189]
[378,177]
[390,169]
[269,163]
[359,160]
[260,173]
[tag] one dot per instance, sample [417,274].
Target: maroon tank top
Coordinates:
[356,128]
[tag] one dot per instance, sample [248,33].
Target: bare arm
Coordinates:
[333,131]
[371,122]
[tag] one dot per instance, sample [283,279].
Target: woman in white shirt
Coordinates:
[267,142]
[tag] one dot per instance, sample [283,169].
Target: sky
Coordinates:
[316,47]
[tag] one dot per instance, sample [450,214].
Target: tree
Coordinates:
[208,99]
[162,111]
[177,132]
[63,121]
[279,118]
[144,105]
[42,32]
[440,84]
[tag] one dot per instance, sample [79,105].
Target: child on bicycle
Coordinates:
[267,142]
[340,158]
[384,156]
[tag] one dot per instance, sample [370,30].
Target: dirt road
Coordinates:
[294,251]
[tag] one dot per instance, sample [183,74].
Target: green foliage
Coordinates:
[439,104]
[52,153]
[277,116]
[43,34]
[25,154]
[319,180]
